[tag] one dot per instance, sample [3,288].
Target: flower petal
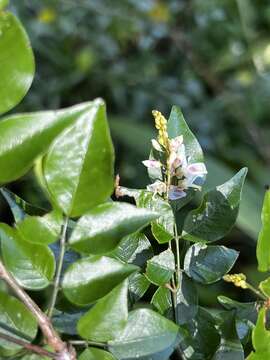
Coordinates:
[176,193]
[156,145]
[153,164]
[196,169]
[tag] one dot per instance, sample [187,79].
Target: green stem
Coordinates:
[87,343]
[59,268]
[177,254]
[257,292]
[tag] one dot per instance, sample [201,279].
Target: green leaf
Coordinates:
[65,322]
[138,285]
[163,227]
[95,354]
[16,59]
[107,318]
[101,229]
[162,300]
[146,333]
[24,137]
[217,213]
[32,265]
[43,230]
[230,347]
[20,321]
[263,248]
[248,311]
[134,248]
[207,264]
[265,287]
[160,268]
[91,278]
[80,159]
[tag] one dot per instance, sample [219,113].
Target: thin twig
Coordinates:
[45,325]
[33,348]
[59,268]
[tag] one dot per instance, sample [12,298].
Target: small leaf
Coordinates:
[160,268]
[162,300]
[207,264]
[107,318]
[248,311]
[24,137]
[265,287]
[146,333]
[163,227]
[20,321]
[43,230]
[95,354]
[79,159]
[16,59]
[177,126]
[91,278]
[263,248]
[134,249]
[32,265]
[102,228]
[217,213]
[138,285]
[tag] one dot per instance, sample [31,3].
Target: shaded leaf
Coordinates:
[263,248]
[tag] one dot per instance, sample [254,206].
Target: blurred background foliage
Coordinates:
[210,57]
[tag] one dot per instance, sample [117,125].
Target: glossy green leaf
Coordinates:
[263,247]
[207,264]
[107,318]
[160,268]
[32,265]
[146,334]
[217,213]
[24,137]
[102,228]
[230,347]
[91,278]
[20,321]
[137,287]
[162,300]
[17,61]
[163,227]
[66,322]
[177,126]
[95,354]
[134,248]
[78,169]
[265,287]
[247,310]
[41,230]
[260,339]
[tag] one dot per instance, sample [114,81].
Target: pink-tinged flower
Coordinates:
[158,187]
[176,193]
[176,143]
[156,145]
[152,164]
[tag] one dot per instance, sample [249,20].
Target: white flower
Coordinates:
[158,187]
[152,164]
[156,145]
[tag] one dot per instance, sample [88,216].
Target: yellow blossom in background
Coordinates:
[47,15]
[160,12]
[161,125]
[237,279]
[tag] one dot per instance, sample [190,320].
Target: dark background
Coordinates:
[210,57]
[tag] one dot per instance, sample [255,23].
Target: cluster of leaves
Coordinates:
[90,253]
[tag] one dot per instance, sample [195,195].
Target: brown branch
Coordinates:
[33,348]
[52,337]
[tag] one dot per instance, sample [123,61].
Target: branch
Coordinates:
[45,325]
[33,348]
[59,268]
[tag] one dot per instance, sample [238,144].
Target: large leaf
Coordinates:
[17,62]
[91,278]
[107,318]
[260,339]
[41,229]
[95,354]
[217,213]
[160,268]
[17,317]
[207,264]
[163,227]
[78,169]
[32,265]
[146,334]
[24,137]
[177,126]
[102,228]
[263,246]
